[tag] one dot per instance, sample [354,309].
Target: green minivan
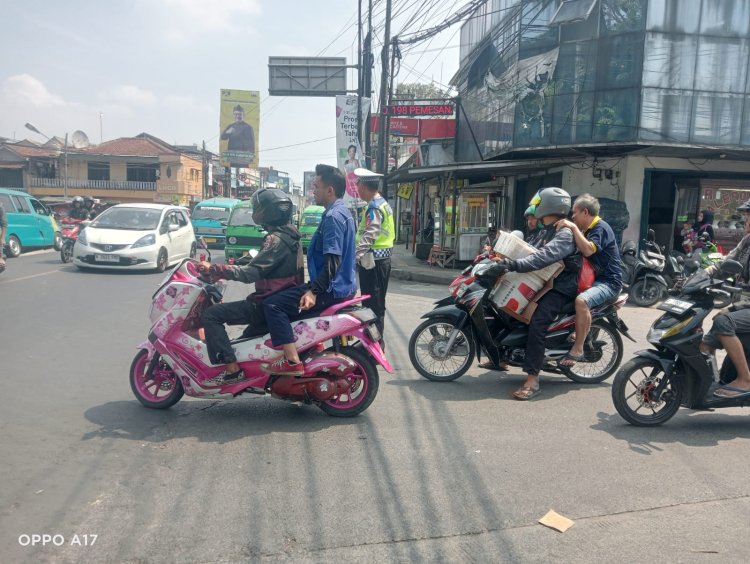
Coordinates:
[308,223]
[242,233]
[31,225]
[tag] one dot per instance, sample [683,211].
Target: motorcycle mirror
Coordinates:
[730,267]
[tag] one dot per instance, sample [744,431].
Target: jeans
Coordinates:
[598,294]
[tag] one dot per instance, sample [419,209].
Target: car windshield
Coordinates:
[211,212]
[135,219]
[242,217]
[311,219]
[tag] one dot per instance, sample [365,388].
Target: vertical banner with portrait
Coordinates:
[348,150]
[239,122]
[309,176]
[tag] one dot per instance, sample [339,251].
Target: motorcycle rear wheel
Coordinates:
[608,355]
[426,350]
[631,390]
[645,293]
[148,381]
[364,387]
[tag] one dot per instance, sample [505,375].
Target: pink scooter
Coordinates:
[342,380]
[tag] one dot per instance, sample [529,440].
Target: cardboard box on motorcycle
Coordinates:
[516,293]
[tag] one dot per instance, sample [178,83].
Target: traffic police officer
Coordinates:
[375,237]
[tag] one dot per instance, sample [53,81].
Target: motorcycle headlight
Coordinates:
[656,335]
[144,241]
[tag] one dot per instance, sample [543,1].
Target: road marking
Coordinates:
[31,276]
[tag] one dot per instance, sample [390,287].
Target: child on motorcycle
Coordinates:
[278,265]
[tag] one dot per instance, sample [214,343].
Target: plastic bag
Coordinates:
[586,275]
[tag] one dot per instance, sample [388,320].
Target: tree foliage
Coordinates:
[416,91]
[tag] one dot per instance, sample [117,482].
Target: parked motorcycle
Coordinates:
[642,274]
[649,389]
[342,380]
[70,230]
[443,347]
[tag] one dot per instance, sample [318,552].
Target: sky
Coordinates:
[118,68]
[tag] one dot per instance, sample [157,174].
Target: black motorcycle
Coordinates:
[642,273]
[443,347]
[649,389]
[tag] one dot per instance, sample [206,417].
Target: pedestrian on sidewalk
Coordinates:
[375,237]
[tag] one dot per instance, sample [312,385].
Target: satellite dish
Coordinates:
[80,140]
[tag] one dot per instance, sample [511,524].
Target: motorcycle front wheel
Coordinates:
[428,350]
[645,293]
[632,388]
[66,253]
[154,384]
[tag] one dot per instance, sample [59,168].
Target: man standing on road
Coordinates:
[330,262]
[3,229]
[374,244]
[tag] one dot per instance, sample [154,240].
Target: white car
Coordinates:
[136,236]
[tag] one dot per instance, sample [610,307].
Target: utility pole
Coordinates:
[382,132]
[367,84]
[204,190]
[360,88]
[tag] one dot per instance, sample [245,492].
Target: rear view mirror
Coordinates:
[730,267]
[173,227]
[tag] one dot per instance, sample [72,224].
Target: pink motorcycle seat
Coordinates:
[337,307]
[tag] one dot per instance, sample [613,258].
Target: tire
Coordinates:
[646,294]
[630,393]
[605,359]
[142,380]
[193,250]
[58,241]
[66,253]
[428,338]
[364,387]
[14,247]
[162,260]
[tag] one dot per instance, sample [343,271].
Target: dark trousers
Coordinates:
[219,348]
[547,309]
[281,308]
[375,283]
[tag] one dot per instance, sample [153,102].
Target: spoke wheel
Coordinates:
[603,351]
[633,393]
[153,382]
[429,354]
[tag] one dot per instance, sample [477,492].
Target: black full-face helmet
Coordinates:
[272,207]
[77,202]
[88,201]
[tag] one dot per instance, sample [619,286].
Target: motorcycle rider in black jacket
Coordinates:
[278,265]
[552,204]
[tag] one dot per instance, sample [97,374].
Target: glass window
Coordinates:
[576,67]
[98,170]
[669,61]
[623,15]
[39,207]
[722,64]
[141,172]
[572,119]
[677,16]
[665,115]
[537,35]
[746,123]
[573,11]
[615,115]
[6,203]
[620,58]
[21,205]
[725,17]
[715,119]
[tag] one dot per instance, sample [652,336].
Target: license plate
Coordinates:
[673,305]
[106,258]
[209,239]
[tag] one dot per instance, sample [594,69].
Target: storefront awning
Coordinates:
[478,169]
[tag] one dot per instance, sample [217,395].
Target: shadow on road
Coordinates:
[219,421]
[486,385]
[690,428]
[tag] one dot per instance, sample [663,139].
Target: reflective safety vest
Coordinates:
[387,226]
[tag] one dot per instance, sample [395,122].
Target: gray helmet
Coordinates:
[272,206]
[552,201]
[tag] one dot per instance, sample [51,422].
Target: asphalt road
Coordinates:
[454,472]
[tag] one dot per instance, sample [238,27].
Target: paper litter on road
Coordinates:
[554,520]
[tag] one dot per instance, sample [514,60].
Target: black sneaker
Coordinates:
[226,378]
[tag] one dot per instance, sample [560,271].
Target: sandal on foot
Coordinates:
[526,393]
[733,392]
[574,357]
[490,366]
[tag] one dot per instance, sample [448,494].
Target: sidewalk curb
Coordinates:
[424,277]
